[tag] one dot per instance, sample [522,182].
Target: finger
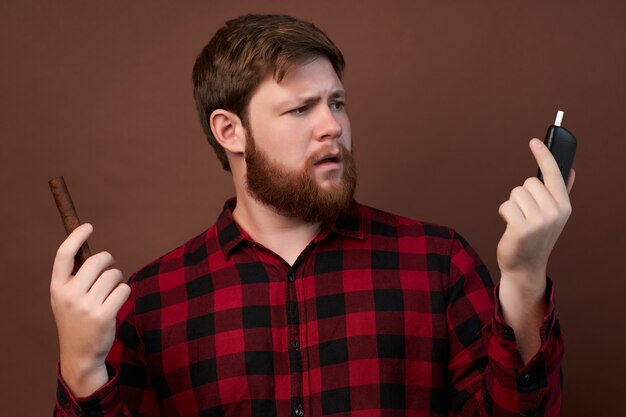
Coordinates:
[542,197]
[512,214]
[106,282]
[527,204]
[93,267]
[64,259]
[116,299]
[552,177]
[570,180]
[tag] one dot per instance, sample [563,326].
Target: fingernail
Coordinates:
[86,227]
[535,143]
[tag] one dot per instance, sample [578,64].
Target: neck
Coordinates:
[285,236]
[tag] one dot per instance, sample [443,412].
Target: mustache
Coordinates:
[338,150]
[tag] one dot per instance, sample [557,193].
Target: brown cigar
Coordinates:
[69,216]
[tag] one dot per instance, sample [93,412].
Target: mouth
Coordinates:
[329,159]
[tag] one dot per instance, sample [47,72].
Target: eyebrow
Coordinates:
[310,100]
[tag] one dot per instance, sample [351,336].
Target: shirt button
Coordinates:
[291,276]
[295,344]
[526,378]
[299,411]
[508,335]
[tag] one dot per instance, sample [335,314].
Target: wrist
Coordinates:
[529,286]
[523,301]
[83,380]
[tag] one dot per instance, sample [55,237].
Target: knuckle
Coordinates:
[106,256]
[548,221]
[67,303]
[567,209]
[58,297]
[515,191]
[63,252]
[85,308]
[111,259]
[63,298]
[99,316]
[123,290]
[531,181]
[113,274]
[90,261]
[549,214]
[100,258]
[116,273]
[119,275]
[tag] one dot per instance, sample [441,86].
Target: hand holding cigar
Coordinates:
[85,294]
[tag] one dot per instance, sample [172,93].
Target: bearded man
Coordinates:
[299,300]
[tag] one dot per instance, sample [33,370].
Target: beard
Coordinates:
[297,194]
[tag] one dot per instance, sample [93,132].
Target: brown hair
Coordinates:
[245,51]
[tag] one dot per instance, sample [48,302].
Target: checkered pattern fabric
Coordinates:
[379,316]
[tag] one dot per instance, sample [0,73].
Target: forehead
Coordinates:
[315,78]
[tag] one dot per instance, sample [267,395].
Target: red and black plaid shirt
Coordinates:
[379,316]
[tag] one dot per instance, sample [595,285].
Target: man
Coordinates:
[300,301]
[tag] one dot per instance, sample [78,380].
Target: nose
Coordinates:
[328,125]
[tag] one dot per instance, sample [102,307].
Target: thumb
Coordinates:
[64,260]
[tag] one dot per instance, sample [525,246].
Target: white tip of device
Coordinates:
[559,118]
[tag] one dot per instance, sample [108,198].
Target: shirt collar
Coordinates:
[229,234]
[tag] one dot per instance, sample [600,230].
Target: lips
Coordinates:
[330,158]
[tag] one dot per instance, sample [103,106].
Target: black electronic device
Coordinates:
[562,144]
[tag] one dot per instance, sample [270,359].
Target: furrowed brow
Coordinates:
[339,94]
[311,100]
[300,101]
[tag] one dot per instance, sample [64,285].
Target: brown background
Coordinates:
[444,97]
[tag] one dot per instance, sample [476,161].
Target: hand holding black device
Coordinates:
[562,144]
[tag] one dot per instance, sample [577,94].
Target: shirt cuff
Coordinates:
[505,335]
[101,402]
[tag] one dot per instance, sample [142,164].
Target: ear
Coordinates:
[228,130]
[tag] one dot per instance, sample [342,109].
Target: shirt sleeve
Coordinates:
[487,376]
[128,391]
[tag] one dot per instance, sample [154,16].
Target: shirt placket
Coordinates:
[293,333]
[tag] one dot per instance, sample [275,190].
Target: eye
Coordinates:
[299,110]
[337,105]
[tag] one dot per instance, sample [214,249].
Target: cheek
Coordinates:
[346,136]
[282,144]
[293,146]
